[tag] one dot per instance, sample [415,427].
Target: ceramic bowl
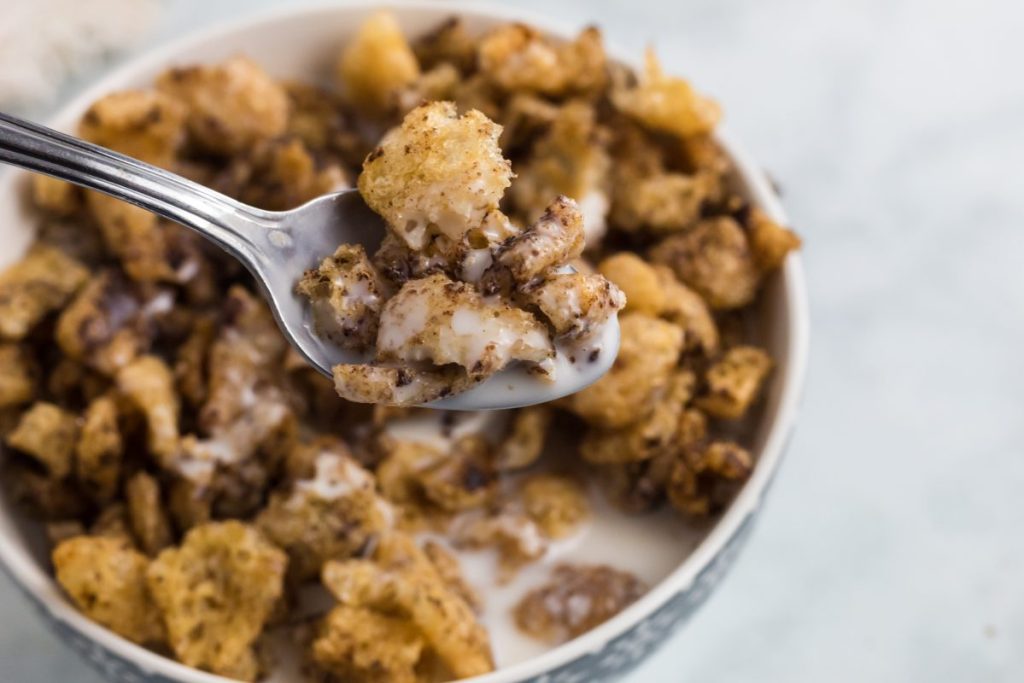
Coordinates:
[303,43]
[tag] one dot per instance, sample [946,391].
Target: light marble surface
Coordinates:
[891,547]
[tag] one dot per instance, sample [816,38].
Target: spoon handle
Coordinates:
[44,150]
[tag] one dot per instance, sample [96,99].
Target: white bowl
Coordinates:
[302,43]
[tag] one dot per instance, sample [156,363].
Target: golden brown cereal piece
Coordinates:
[189,504]
[517,58]
[47,433]
[715,259]
[365,646]
[398,476]
[524,442]
[40,495]
[100,326]
[106,579]
[463,478]
[437,174]
[769,241]
[515,536]
[704,479]
[100,450]
[576,305]
[638,281]
[525,119]
[557,503]
[734,382]
[231,106]
[319,118]
[666,103]
[575,600]
[377,63]
[362,383]
[649,350]
[215,592]
[556,238]
[56,196]
[639,486]
[146,512]
[149,385]
[439,83]
[190,364]
[333,514]
[113,522]
[18,375]
[134,235]
[450,42]
[686,308]
[38,284]
[147,125]
[662,202]
[346,296]
[447,566]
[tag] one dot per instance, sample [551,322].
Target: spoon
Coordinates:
[277,247]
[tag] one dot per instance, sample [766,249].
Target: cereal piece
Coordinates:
[526,119]
[331,515]
[576,305]
[189,504]
[448,569]
[100,327]
[106,579]
[439,83]
[113,522]
[231,106]
[649,350]
[398,386]
[377,63]
[18,375]
[190,364]
[715,259]
[639,486]
[435,319]
[40,495]
[47,433]
[524,442]
[215,592]
[437,174]
[56,196]
[143,124]
[666,103]
[319,118]
[637,280]
[660,202]
[517,57]
[554,239]
[62,530]
[346,297]
[149,385]
[100,450]
[558,504]
[575,600]
[686,308]
[769,241]
[734,382]
[704,479]
[364,646]
[517,538]
[146,513]
[463,478]
[134,235]
[35,286]
[448,43]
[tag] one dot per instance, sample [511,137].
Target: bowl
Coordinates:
[303,42]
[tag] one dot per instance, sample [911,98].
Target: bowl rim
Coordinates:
[38,584]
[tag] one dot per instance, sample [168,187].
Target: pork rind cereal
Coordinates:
[196,481]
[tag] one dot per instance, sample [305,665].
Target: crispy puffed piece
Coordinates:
[19,375]
[447,566]
[149,522]
[649,350]
[449,42]
[437,174]
[56,196]
[190,362]
[113,522]
[365,646]
[215,592]
[377,63]
[42,496]
[666,103]
[652,435]
[149,384]
[769,241]
[524,441]
[462,478]
[106,579]
[715,259]
[576,305]
[147,125]
[704,479]
[134,235]
[734,381]
[100,450]
[231,106]
[48,433]
[662,202]
[35,286]
[557,503]
[556,238]
[517,57]
[515,536]
[99,328]
[346,296]
[362,383]
[687,308]
[445,322]
[637,279]
[576,599]
[331,515]
[439,83]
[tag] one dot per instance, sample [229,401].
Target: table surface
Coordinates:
[891,546]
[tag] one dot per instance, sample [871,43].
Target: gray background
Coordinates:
[891,548]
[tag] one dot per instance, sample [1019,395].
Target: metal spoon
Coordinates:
[276,247]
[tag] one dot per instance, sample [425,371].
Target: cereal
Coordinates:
[149,385]
[56,196]
[576,305]
[517,57]
[734,381]
[106,579]
[47,433]
[769,241]
[100,450]
[365,646]
[523,443]
[18,375]
[558,504]
[149,523]
[39,284]
[706,477]
[99,326]
[346,297]
[377,63]
[143,124]
[215,593]
[517,538]
[668,104]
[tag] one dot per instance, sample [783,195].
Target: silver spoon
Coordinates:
[276,247]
